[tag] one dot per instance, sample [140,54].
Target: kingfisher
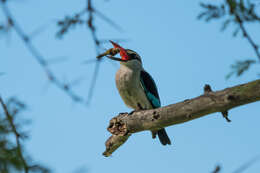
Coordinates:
[136,87]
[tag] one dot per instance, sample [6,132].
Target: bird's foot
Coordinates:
[131,112]
[154,133]
[121,113]
[134,112]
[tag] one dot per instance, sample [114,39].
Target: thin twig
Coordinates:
[78,19]
[245,166]
[217,169]
[93,81]
[38,56]
[247,36]
[91,10]
[17,135]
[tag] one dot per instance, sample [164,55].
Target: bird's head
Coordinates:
[128,57]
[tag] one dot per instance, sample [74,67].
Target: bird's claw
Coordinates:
[134,112]
[131,112]
[121,113]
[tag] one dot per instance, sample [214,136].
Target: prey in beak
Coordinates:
[110,53]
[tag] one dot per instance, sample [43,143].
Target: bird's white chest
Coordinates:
[130,89]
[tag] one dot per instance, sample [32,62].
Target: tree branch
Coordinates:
[79,18]
[123,125]
[17,135]
[65,87]
[247,36]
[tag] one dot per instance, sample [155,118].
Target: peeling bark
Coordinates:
[123,125]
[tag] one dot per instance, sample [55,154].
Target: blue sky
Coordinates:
[180,52]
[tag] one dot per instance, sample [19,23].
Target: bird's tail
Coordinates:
[163,137]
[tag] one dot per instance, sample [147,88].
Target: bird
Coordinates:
[136,86]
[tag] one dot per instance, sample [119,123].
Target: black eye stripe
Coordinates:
[132,55]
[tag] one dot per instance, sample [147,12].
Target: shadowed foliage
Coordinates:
[240,14]
[12,154]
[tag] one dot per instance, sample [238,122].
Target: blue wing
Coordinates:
[150,89]
[151,92]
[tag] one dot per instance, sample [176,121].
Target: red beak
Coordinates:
[123,53]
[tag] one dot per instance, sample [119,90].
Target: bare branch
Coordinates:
[248,164]
[219,101]
[239,13]
[37,55]
[78,19]
[93,80]
[248,37]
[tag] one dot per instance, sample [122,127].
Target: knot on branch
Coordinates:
[117,126]
[232,97]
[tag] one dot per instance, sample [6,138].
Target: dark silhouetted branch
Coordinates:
[239,13]
[78,19]
[38,56]
[17,135]
[124,125]
[247,36]
[217,169]
[247,164]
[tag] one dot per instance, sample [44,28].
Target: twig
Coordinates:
[17,136]
[247,36]
[247,164]
[38,56]
[78,19]
[217,169]
[91,11]
[233,11]
[93,81]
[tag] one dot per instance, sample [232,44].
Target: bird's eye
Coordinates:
[132,56]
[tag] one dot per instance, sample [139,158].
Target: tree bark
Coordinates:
[123,125]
